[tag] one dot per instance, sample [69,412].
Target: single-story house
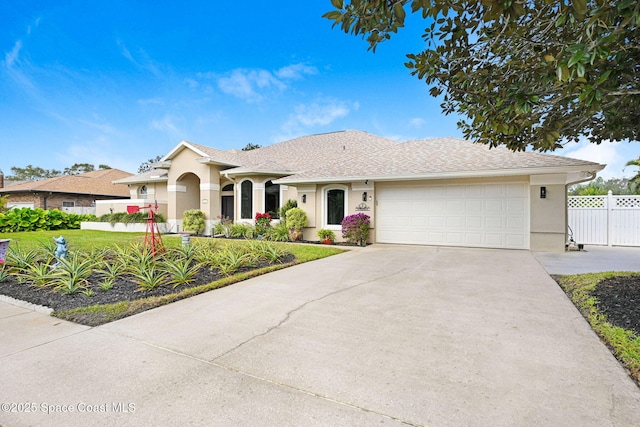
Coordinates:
[68,191]
[441,191]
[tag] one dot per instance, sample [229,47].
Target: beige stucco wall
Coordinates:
[549,215]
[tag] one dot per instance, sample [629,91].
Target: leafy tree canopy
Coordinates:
[35,173]
[634,182]
[600,187]
[251,146]
[147,166]
[523,72]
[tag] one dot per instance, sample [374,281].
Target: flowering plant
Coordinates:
[355,228]
[263,222]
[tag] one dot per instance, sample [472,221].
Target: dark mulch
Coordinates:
[619,299]
[124,289]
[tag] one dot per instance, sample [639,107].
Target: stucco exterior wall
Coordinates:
[549,214]
[192,185]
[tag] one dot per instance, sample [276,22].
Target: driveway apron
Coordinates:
[388,334]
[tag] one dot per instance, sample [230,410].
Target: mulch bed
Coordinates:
[124,289]
[619,299]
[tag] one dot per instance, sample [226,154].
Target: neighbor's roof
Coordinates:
[97,183]
[440,158]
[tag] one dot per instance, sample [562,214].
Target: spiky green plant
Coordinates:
[230,259]
[38,274]
[150,278]
[278,232]
[181,271]
[72,273]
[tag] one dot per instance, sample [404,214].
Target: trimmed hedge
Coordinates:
[26,219]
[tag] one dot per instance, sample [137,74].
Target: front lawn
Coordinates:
[107,276]
[611,304]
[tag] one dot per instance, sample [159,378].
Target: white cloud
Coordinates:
[316,114]
[320,113]
[168,126]
[608,153]
[416,122]
[295,71]
[10,58]
[245,84]
[251,84]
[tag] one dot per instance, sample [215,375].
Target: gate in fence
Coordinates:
[605,220]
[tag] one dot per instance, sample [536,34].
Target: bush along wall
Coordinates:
[27,219]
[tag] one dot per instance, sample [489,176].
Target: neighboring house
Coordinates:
[442,191]
[68,192]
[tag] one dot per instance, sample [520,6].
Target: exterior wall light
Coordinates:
[304,198]
[364,196]
[543,192]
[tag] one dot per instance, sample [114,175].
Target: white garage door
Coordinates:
[488,215]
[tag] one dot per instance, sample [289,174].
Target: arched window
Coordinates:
[272,199]
[334,206]
[246,200]
[143,192]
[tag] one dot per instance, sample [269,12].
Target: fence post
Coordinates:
[610,204]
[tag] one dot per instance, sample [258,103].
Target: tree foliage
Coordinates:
[523,72]
[250,146]
[600,187]
[148,165]
[36,173]
[634,182]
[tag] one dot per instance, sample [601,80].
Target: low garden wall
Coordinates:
[124,227]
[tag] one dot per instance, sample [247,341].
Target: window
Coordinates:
[246,200]
[272,199]
[228,187]
[143,192]
[68,204]
[335,201]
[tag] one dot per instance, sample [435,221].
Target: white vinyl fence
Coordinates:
[605,220]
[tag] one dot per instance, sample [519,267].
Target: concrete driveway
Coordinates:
[384,335]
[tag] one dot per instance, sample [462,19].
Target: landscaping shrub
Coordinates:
[193,220]
[278,233]
[123,217]
[38,219]
[355,228]
[290,204]
[263,222]
[296,221]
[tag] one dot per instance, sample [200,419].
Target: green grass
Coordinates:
[624,344]
[81,239]
[92,239]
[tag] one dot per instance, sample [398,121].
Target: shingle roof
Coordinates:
[439,156]
[97,183]
[310,151]
[355,154]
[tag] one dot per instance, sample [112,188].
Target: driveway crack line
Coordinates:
[295,310]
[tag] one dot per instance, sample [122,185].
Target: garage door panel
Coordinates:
[490,215]
[474,206]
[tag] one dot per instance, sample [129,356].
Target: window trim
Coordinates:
[264,196]
[240,198]
[325,193]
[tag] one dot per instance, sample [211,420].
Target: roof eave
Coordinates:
[212,161]
[448,175]
[127,181]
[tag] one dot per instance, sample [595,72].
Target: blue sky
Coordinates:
[119,82]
